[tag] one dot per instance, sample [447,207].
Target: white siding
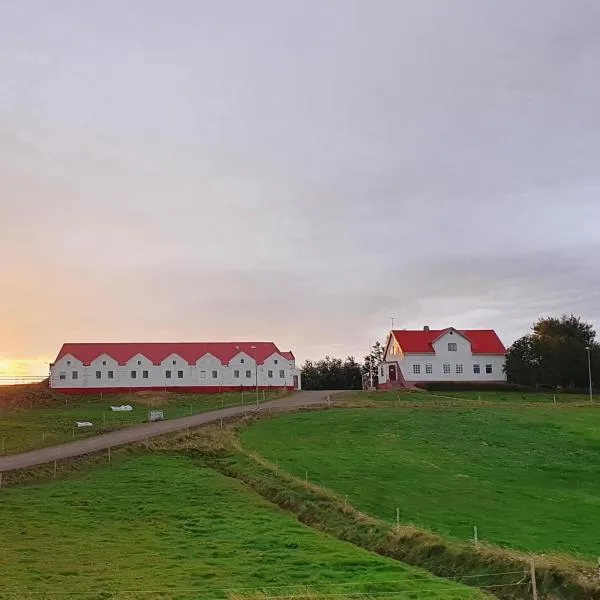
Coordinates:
[192,374]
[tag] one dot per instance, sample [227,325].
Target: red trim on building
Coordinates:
[204,389]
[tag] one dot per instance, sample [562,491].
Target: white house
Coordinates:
[411,356]
[209,367]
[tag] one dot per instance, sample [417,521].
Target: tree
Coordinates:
[332,374]
[373,360]
[554,354]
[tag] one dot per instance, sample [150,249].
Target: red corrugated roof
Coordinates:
[483,341]
[157,352]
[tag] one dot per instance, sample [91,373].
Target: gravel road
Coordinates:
[138,433]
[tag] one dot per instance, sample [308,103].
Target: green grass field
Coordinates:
[527,477]
[27,429]
[164,527]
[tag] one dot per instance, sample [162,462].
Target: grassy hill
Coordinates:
[164,527]
[527,477]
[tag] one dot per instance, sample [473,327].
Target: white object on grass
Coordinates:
[123,407]
[84,424]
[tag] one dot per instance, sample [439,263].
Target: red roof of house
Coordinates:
[157,352]
[420,341]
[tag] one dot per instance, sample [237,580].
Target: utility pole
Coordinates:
[589,353]
[370,366]
[392,319]
[256,369]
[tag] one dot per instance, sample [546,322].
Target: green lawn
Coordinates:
[527,477]
[174,529]
[27,429]
[493,397]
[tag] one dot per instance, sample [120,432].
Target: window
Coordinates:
[133,374]
[179,374]
[68,363]
[215,374]
[270,374]
[281,374]
[62,375]
[111,374]
[382,371]
[428,369]
[417,369]
[174,362]
[98,374]
[459,369]
[103,363]
[248,374]
[488,369]
[242,360]
[236,374]
[275,361]
[145,374]
[476,369]
[168,374]
[446,369]
[74,375]
[451,346]
[202,374]
[139,362]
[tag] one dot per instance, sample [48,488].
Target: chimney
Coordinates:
[426,328]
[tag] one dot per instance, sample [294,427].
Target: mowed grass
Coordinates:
[30,428]
[470,397]
[527,477]
[162,526]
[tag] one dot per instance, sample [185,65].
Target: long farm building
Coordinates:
[209,367]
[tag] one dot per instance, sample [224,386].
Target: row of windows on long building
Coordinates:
[170,374]
[447,369]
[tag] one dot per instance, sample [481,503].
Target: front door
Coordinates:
[393,375]
[295,382]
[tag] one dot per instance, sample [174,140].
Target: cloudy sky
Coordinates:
[297,170]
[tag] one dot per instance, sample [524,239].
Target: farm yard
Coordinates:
[175,529]
[526,476]
[254,510]
[44,418]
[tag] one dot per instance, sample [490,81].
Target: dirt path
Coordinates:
[138,433]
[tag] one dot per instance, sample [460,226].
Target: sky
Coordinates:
[299,171]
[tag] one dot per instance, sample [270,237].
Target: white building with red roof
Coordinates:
[426,355]
[209,367]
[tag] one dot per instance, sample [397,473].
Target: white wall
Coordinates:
[192,375]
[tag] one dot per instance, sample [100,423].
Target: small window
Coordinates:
[98,374]
[74,375]
[236,374]
[446,369]
[451,346]
[62,375]
[111,374]
[417,369]
[215,374]
[168,374]
[248,374]
[139,363]
[68,362]
[382,371]
[145,374]
[488,369]
[242,360]
[133,374]
[202,374]
[275,361]
[476,369]
[174,362]
[179,374]
[459,369]
[270,374]
[103,363]
[281,374]
[428,369]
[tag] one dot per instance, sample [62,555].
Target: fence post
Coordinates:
[306,479]
[109,457]
[554,399]
[533,582]
[345,503]
[397,520]
[54,473]
[0,479]
[475,537]
[73,431]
